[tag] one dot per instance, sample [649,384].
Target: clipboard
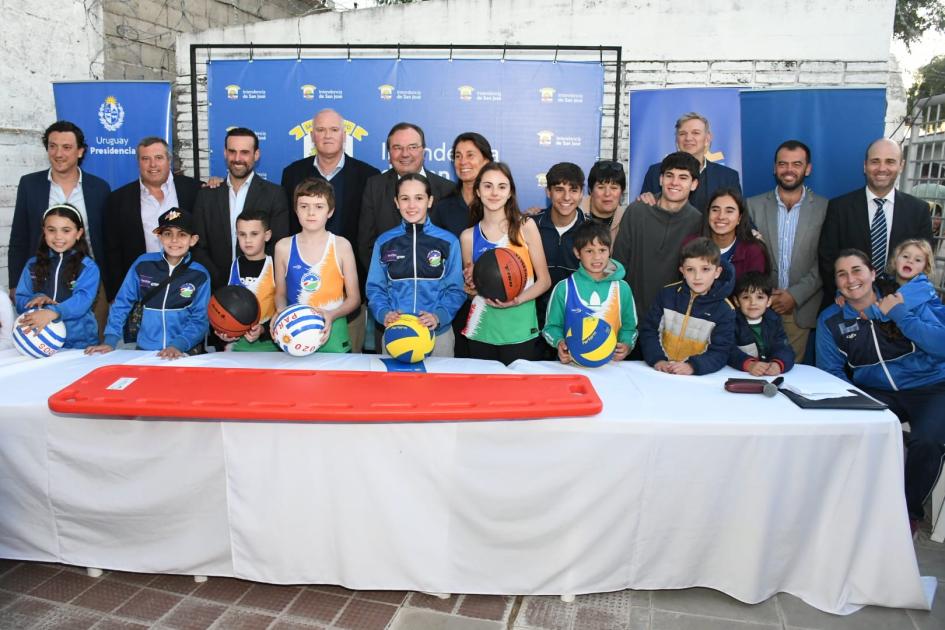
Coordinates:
[856,401]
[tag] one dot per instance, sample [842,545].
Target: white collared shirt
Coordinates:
[152,209]
[237,201]
[335,171]
[76,198]
[890,198]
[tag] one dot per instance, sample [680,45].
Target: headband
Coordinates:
[64,206]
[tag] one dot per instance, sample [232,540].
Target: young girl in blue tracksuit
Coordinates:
[416,267]
[61,280]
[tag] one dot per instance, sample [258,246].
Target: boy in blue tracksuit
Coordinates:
[174,319]
[416,268]
[761,345]
[690,328]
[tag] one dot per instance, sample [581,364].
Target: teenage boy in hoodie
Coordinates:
[690,329]
[596,289]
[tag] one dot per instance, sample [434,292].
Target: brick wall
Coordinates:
[94,39]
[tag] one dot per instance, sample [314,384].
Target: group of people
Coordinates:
[702,277]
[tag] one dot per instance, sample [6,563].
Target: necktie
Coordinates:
[878,236]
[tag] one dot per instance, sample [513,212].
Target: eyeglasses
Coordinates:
[410,148]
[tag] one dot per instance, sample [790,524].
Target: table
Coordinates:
[675,484]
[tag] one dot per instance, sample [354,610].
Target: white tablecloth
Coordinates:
[675,484]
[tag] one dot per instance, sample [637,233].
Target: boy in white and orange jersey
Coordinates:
[316,267]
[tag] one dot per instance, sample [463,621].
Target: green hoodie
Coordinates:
[609,298]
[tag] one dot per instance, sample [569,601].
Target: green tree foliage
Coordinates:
[915,17]
[929,81]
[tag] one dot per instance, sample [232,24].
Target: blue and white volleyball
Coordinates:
[593,344]
[407,340]
[45,343]
[298,330]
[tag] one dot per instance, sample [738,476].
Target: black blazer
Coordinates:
[378,212]
[32,200]
[344,222]
[212,223]
[847,225]
[124,232]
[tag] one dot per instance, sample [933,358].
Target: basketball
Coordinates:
[593,345]
[44,344]
[499,274]
[298,330]
[233,310]
[408,340]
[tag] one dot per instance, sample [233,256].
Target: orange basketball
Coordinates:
[233,310]
[500,274]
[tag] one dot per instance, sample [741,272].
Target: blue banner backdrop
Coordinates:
[653,115]
[114,116]
[534,113]
[837,125]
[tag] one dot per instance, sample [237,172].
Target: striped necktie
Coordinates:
[878,236]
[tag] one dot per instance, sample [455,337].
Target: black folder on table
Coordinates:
[856,401]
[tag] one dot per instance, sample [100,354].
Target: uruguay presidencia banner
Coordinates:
[653,116]
[114,116]
[534,113]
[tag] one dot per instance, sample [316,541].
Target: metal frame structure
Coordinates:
[924,173]
[615,52]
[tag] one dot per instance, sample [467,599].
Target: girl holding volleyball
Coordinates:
[416,267]
[61,280]
[503,331]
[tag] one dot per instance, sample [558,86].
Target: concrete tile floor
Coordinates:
[41,596]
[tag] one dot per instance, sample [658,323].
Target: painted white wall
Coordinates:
[42,42]
[646,29]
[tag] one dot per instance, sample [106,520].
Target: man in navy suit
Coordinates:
[62,182]
[850,216]
[693,136]
[132,211]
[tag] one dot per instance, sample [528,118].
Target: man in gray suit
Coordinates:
[216,208]
[789,219]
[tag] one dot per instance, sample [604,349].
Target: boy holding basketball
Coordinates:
[596,289]
[690,328]
[253,269]
[169,289]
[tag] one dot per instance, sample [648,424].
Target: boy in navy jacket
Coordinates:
[174,320]
[761,345]
[690,328]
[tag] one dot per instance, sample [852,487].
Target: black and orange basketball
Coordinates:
[500,274]
[233,310]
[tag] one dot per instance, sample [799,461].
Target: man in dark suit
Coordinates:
[405,148]
[850,217]
[62,182]
[348,177]
[132,211]
[693,136]
[216,209]
[789,219]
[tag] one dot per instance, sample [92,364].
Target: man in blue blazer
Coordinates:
[693,136]
[62,182]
